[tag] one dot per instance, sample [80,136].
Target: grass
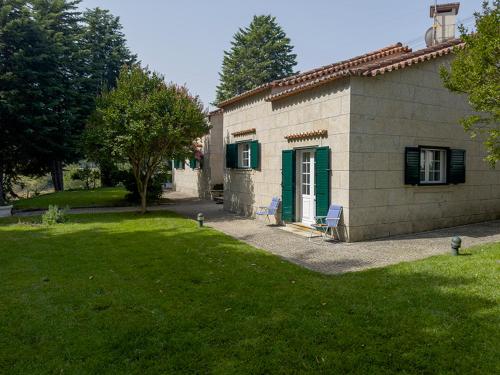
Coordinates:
[102,197]
[121,293]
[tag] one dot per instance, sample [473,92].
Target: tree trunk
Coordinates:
[57,175]
[2,191]
[144,197]
[106,178]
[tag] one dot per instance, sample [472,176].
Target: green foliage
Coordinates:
[53,216]
[107,49]
[259,53]
[475,72]
[129,294]
[89,176]
[53,63]
[155,186]
[32,186]
[145,122]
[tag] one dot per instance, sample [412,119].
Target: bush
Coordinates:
[155,186]
[87,175]
[53,216]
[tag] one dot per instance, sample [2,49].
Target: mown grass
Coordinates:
[102,197]
[121,293]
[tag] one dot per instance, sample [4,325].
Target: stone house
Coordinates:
[198,175]
[377,134]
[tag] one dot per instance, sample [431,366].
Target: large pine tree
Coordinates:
[259,53]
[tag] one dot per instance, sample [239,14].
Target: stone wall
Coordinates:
[198,182]
[410,107]
[325,108]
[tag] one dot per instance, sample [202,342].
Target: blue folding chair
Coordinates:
[269,210]
[328,223]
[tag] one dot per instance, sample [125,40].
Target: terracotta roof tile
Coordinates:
[386,59]
[374,68]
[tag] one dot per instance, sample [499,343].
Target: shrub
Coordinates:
[87,175]
[53,216]
[155,186]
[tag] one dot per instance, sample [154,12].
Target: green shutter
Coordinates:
[412,166]
[177,164]
[254,154]
[232,155]
[322,183]
[192,163]
[456,166]
[288,185]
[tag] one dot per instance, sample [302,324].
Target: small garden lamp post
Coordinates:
[456,242]
[200,219]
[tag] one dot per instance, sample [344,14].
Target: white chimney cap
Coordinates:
[445,8]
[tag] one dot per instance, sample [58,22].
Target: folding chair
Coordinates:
[328,223]
[269,210]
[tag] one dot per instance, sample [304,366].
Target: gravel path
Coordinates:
[338,257]
[317,255]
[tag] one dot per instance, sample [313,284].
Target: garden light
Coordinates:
[200,219]
[456,242]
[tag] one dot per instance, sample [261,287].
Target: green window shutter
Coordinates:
[255,154]
[192,163]
[456,166]
[177,164]
[288,185]
[322,183]
[232,155]
[412,166]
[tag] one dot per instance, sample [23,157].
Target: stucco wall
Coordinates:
[324,108]
[198,182]
[410,107]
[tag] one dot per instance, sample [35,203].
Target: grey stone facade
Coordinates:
[370,121]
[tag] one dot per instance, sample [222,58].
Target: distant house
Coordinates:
[377,134]
[205,169]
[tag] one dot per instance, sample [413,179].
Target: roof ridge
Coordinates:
[374,69]
[312,73]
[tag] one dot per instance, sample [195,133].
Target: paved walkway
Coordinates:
[320,256]
[338,257]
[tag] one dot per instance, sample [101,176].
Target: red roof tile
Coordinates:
[373,63]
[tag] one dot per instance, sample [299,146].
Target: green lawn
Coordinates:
[75,198]
[128,294]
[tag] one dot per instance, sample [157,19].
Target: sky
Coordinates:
[185,40]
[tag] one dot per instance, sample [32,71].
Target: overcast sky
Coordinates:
[185,40]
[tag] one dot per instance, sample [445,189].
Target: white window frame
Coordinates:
[427,165]
[244,155]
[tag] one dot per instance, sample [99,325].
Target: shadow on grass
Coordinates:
[127,293]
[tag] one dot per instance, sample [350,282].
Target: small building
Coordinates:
[377,134]
[198,175]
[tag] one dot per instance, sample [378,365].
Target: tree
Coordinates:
[42,108]
[48,90]
[145,122]
[107,53]
[22,98]
[476,72]
[260,53]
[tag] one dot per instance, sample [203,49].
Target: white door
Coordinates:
[307,198]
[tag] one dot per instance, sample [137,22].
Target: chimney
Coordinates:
[445,20]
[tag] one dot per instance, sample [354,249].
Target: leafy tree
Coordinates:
[145,122]
[259,53]
[22,100]
[107,53]
[476,72]
[41,74]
